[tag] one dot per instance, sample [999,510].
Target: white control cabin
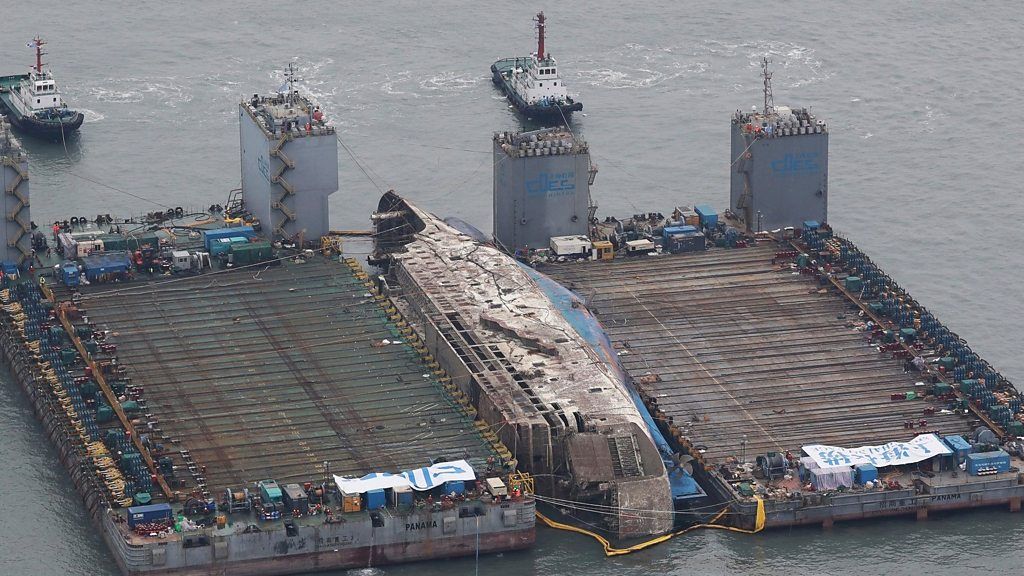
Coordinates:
[538,80]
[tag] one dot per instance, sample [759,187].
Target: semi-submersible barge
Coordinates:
[216,397]
[800,378]
[213,394]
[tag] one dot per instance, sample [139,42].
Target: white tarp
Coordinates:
[831,478]
[419,479]
[920,448]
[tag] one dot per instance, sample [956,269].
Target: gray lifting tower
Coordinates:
[541,187]
[289,164]
[779,172]
[16,223]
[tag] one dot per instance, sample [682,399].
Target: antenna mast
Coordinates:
[37,43]
[290,78]
[769,100]
[540,35]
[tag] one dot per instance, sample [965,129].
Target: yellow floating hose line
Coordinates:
[610,550]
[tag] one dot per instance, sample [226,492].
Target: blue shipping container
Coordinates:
[405,498]
[865,473]
[960,447]
[455,487]
[811,225]
[69,275]
[708,216]
[375,499]
[986,462]
[210,235]
[95,265]
[149,513]
[669,231]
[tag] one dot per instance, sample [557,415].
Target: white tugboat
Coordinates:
[532,83]
[33,102]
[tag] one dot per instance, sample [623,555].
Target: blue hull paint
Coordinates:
[683,486]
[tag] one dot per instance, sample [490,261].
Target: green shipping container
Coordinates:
[140,240]
[114,242]
[252,253]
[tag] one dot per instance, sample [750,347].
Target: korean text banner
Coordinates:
[420,479]
[920,448]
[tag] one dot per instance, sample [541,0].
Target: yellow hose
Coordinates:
[610,550]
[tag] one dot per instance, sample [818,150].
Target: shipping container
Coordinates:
[149,513]
[865,473]
[146,239]
[455,487]
[223,245]
[689,217]
[251,253]
[982,463]
[375,499]
[571,246]
[602,250]
[708,216]
[854,284]
[687,242]
[351,502]
[99,267]
[638,247]
[960,447]
[496,487]
[402,497]
[68,245]
[86,247]
[69,274]
[811,225]
[669,231]
[114,242]
[238,231]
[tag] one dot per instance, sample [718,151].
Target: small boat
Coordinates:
[533,85]
[33,103]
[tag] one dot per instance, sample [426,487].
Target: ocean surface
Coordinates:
[925,176]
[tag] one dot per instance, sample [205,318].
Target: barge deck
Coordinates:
[743,355]
[290,371]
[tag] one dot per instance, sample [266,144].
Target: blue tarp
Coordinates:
[96,265]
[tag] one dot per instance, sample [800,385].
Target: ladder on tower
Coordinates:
[14,189]
[287,188]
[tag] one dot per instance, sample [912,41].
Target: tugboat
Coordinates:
[532,83]
[33,102]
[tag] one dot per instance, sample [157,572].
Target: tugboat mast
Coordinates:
[540,35]
[37,43]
